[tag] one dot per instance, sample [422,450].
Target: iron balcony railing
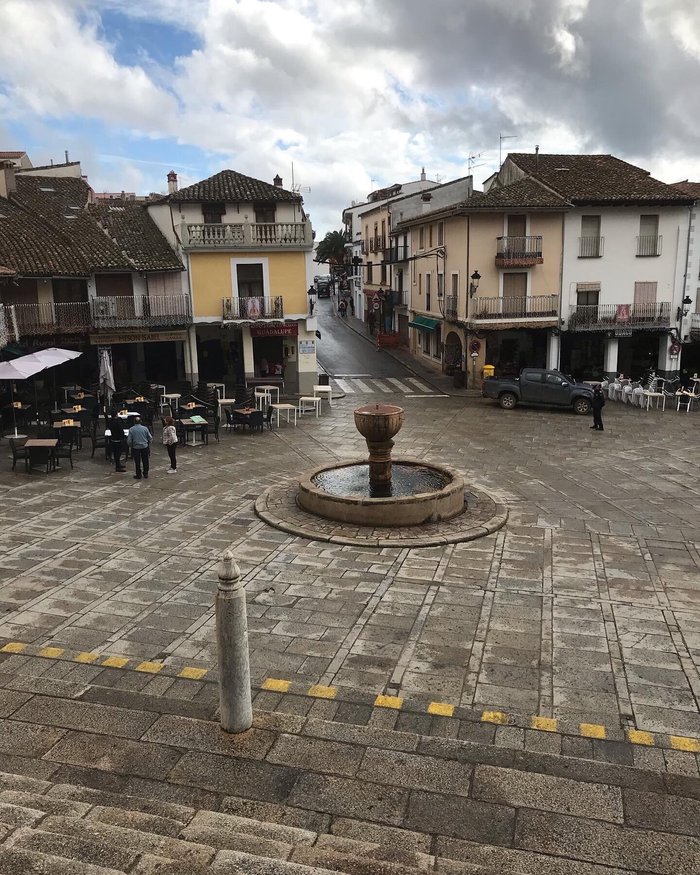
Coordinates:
[591,247]
[695,326]
[516,251]
[262,235]
[451,305]
[139,311]
[253,308]
[41,320]
[604,317]
[396,253]
[402,297]
[4,331]
[534,307]
[649,245]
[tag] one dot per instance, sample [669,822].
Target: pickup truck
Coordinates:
[539,386]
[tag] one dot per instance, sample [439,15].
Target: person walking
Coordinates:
[170,441]
[370,321]
[116,442]
[139,439]
[597,404]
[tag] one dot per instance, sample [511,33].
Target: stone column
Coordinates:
[610,363]
[668,366]
[553,346]
[191,357]
[232,649]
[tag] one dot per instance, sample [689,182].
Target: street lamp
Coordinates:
[474,284]
[683,311]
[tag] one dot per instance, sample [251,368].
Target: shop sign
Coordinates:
[291,329]
[307,347]
[623,332]
[136,337]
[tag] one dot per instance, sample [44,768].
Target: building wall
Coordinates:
[211,278]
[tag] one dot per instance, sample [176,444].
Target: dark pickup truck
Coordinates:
[539,386]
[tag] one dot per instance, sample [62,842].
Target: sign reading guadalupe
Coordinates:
[136,337]
[291,329]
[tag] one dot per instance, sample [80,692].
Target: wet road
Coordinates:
[343,353]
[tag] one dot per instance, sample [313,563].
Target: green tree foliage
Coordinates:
[331,249]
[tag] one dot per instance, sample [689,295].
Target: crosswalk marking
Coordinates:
[408,387]
[382,386]
[344,386]
[399,385]
[363,387]
[417,383]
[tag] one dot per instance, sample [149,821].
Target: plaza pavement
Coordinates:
[585,608]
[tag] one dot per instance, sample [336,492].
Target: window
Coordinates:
[590,241]
[586,297]
[440,285]
[382,273]
[425,338]
[213,213]
[644,293]
[516,226]
[514,285]
[556,380]
[264,213]
[455,284]
[437,342]
[383,234]
[420,283]
[369,272]
[440,233]
[428,278]
[430,236]
[533,377]
[648,242]
[421,237]
[249,279]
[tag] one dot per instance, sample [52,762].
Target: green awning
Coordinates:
[424,322]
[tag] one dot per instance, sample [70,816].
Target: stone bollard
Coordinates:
[232,646]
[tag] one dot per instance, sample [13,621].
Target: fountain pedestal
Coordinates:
[378,423]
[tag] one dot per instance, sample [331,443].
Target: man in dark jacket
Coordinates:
[598,403]
[117,440]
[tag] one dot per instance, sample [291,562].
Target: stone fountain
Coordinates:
[380,491]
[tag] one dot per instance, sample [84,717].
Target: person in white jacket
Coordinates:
[170,441]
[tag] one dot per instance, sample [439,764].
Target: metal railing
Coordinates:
[4,331]
[603,317]
[533,307]
[258,234]
[591,247]
[139,311]
[519,248]
[396,253]
[403,297]
[254,308]
[41,320]
[451,305]
[695,326]
[649,245]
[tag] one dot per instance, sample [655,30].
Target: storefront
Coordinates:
[145,356]
[514,349]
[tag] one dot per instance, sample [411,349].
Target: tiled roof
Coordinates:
[4,155]
[46,166]
[231,187]
[584,179]
[525,194]
[690,188]
[48,229]
[138,236]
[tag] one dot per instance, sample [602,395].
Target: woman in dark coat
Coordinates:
[598,403]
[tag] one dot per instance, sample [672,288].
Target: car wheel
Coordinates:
[582,406]
[508,400]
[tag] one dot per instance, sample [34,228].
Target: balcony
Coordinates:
[518,251]
[246,235]
[252,309]
[141,311]
[451,306]
[591,247]
[48,319]
[695,326]
[394,254]
[540,307]
[620,317]
[377,244]
[402,297]
[4,333]
[649,245]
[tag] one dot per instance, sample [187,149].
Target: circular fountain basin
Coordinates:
[418,493]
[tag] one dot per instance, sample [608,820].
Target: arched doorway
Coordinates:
[453,353]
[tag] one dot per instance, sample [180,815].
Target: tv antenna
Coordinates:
[296,187]
[471,159]
[501,138]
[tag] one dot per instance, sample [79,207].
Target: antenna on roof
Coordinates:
[501,138]
[296,187]
[471,162]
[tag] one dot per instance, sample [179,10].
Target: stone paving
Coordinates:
[585,606]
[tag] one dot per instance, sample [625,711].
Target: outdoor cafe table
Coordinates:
[37,444]
[193,427]
[74,431]
[290,408]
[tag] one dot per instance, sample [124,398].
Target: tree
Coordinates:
[332,249]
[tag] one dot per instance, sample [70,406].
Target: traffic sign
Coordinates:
[376,305]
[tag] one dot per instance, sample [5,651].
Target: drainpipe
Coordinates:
[561,286]
[466,312]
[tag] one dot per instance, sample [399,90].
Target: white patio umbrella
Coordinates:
[28,365]
[106,377]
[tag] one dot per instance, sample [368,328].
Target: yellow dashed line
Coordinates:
[636,736]
[276,685]
[86,657]
[680,742]
[115,662]
[442,709]
[494,717]
[318,691]
[388,702]
[545,724]
[14,647]
[592,730]
[193,674]
[51,652]
[150,667]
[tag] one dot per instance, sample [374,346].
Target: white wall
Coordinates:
[692,280]
[619,267]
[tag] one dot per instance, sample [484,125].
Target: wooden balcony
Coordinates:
[518,251]
[620,317]
[541,308]
[139,311]
[247,235]
[253,309]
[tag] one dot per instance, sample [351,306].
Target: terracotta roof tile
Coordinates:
[601,179]
[690,188]
[525,193]
[232,187]
[131,227]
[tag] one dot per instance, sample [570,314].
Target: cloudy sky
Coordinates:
[354,94]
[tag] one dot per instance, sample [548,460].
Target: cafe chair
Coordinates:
[38,457]
[64,451]
[268,416]
[256,421]
[18,450]
[212,427]
[99,441]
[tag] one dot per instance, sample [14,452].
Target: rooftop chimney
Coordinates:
[277,181]
[172,182]
[7,178]
[537,158]
[422,174]
[66,154]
